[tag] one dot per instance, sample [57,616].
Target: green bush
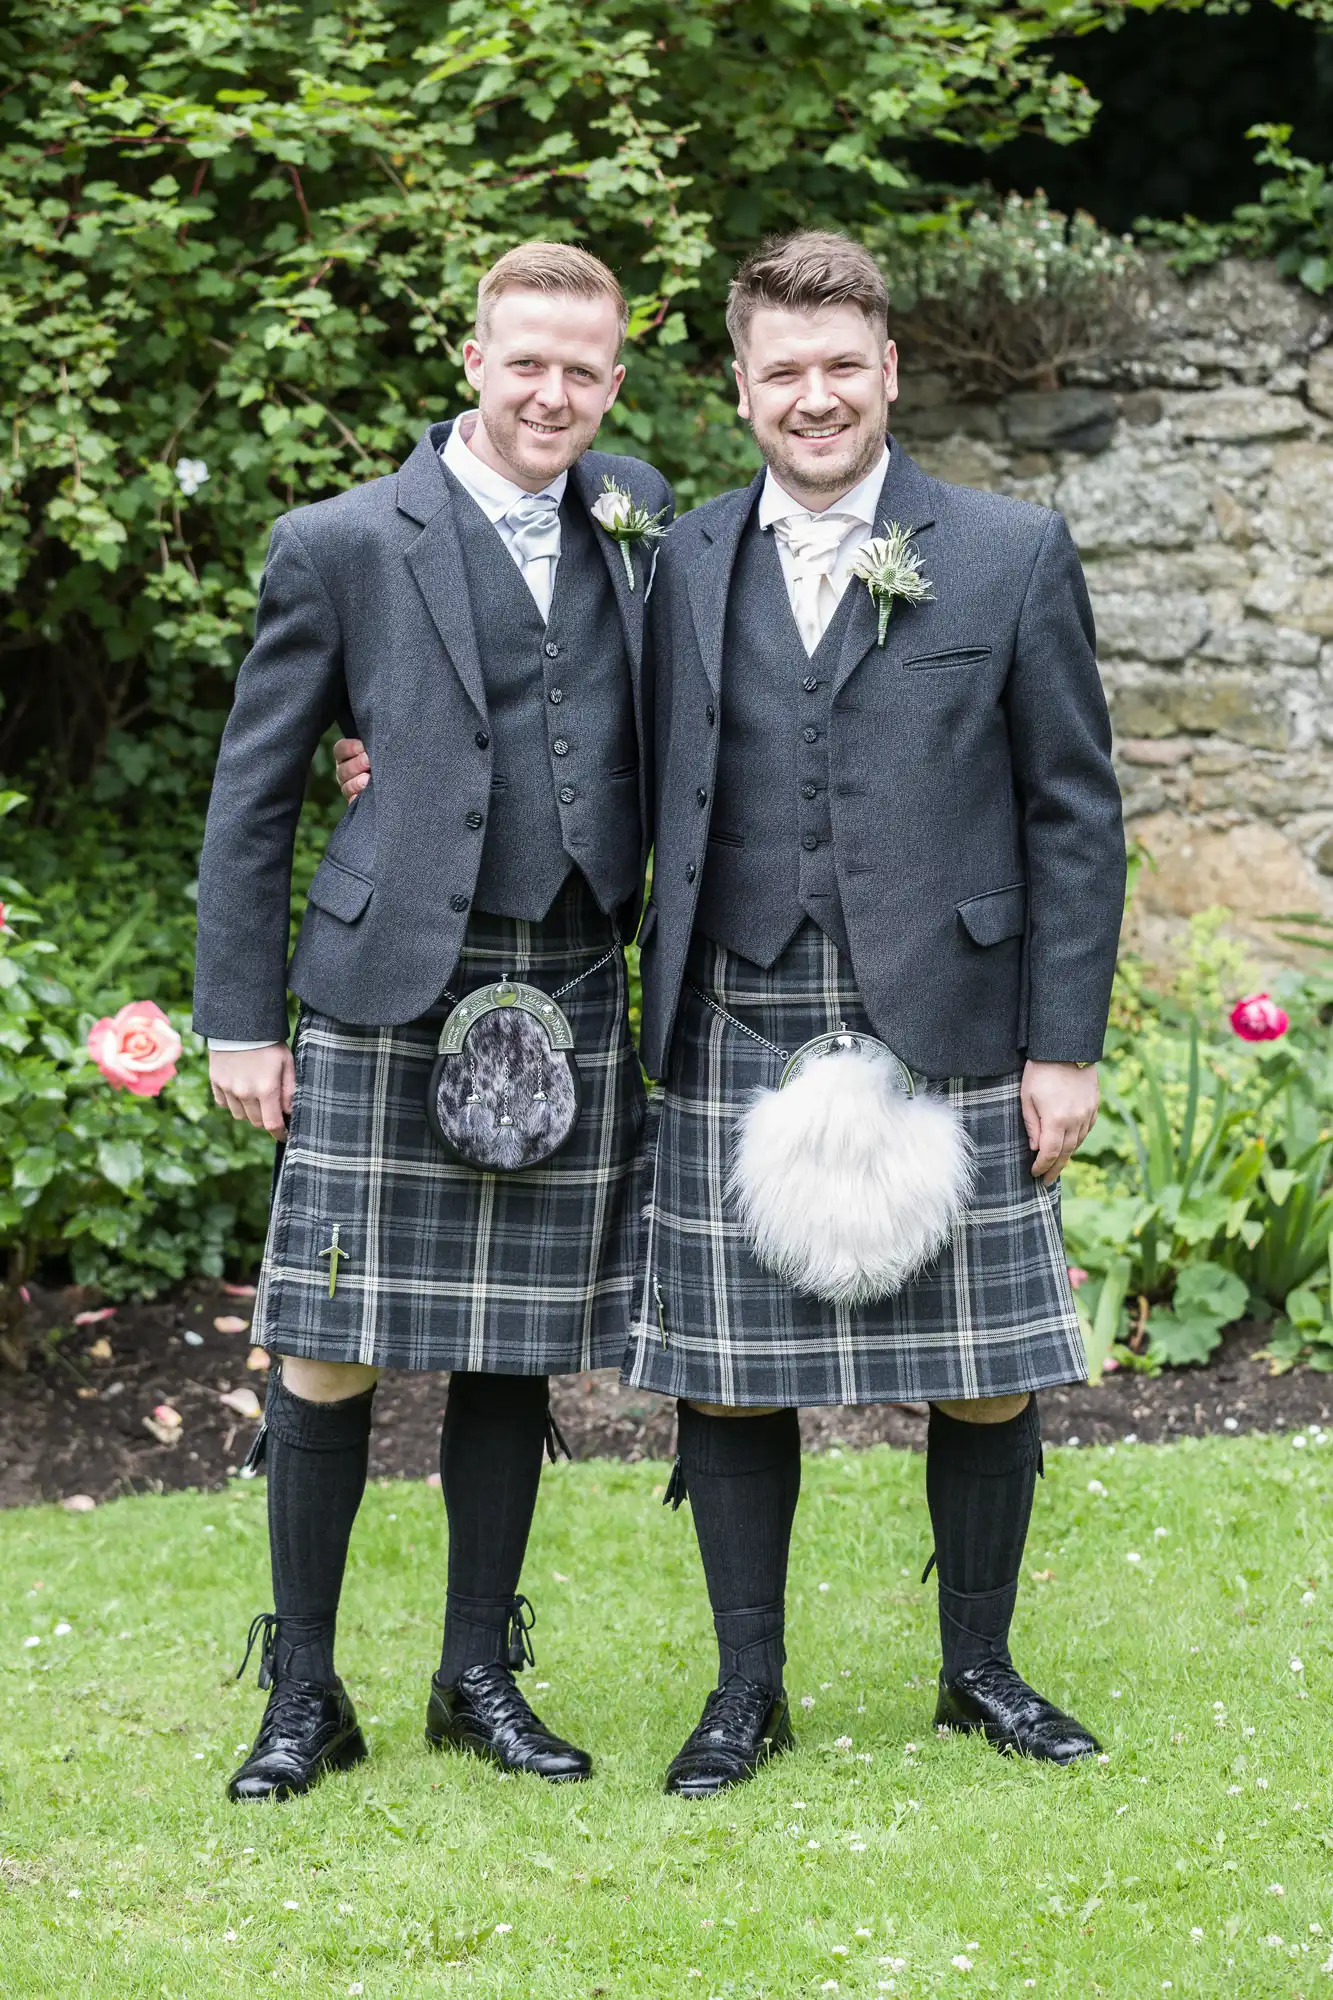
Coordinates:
[1292,221]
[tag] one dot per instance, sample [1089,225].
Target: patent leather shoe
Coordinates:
[307,1730]
[742,1726]
[996,1701]
[484,1712]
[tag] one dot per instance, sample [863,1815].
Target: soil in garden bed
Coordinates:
[75,1422]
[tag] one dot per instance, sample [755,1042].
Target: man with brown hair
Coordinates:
[887,834]
[474,620]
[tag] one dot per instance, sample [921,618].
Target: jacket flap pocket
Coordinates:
[339,890]
[960,656]
[1001,914]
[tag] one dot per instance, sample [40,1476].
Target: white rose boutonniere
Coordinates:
[629,525]
[891,568]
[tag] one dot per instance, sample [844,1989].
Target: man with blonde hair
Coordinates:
[461,1105]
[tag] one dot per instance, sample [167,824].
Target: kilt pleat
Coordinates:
[993,1315]
[447,1267]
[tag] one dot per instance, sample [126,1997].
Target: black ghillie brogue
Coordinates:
[307,1730]
[742,1726]
[996,1701]
[485,1713]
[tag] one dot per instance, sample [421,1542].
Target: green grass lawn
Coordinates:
[1181,1612]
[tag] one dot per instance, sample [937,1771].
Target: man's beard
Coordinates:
[835,480]
[514,442]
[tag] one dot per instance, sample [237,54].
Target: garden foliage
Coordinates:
[1292,221]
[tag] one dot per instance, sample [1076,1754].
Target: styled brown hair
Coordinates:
[551,268]
[806,272]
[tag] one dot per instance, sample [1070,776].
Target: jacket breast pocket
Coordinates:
[340,891]
[1000,914]
[957,656]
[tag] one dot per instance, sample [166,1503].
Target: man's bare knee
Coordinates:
[729,1410]
[985,1409]
[326,1381]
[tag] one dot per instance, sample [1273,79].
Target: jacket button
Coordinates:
[810,684]
[702,796]
[551,650]
[560,747]
[810,736]
[690,872]
[458,903]
[809,843]
[556,696]
[711,714]
[483,741]
[809,791]
[567,795]
[474,820]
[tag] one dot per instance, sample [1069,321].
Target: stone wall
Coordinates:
[1196,473]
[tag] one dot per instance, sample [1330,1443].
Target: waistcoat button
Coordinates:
[702,796]
[483,741]
[810,736]
[809,843]
[809,791]
[458,903]
[567,795]
[474,820]
[551,650]
[711,713]
[560,747]
[556,696]
[809,683]
[690,872]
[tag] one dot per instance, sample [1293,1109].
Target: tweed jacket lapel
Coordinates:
[586,477]
[708,579]
[907,498]
[436,560]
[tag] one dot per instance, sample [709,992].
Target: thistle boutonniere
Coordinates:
[891,568]
[629,525]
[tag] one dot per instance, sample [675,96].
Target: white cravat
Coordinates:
[528,523]
[817,550]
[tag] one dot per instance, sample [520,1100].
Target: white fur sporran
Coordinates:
[846,1180]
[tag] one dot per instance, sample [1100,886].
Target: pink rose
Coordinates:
[4,912]
[1077,1276]
[1259,1019]
[137,1050]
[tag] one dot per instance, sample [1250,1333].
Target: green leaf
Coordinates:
[120,1161]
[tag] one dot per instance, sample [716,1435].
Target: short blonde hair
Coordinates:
[552,268]
[806,272]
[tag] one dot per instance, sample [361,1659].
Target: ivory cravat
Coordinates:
[812,542]
[534,525]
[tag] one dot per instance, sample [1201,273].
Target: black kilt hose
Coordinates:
[992,1316]
[446,1267]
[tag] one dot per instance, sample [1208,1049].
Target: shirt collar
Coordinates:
[776,504]
[493,493]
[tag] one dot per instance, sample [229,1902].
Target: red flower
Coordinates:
[1077,1276]
[1259,1019]
[137,1049]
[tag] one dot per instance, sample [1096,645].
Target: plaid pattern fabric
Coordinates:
[446,1267]
[993,1316]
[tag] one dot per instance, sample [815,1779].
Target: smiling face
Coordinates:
[546,373]
[816,389]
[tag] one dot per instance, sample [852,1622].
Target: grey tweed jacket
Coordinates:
[976,819]
[365,617]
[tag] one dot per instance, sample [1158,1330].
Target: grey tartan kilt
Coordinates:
[993,1316]
[446,1267]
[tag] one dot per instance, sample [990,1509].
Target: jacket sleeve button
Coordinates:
[474,820]
[702,796]
[483,741]
[458,903]
[690,872]
[711,714]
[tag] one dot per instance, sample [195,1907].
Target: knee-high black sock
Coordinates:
[490,1468]
[743,1477]
[316,1458]
[980,1479]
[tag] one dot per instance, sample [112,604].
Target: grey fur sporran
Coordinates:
[504,1090]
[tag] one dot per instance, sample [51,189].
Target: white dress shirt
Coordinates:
[818,574]
[496,496]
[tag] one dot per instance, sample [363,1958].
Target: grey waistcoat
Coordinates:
[559,702]
[770,850]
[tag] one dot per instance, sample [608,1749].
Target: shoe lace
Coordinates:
[497,1695]
[520,1645]
[733,1712]
[264,1626]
